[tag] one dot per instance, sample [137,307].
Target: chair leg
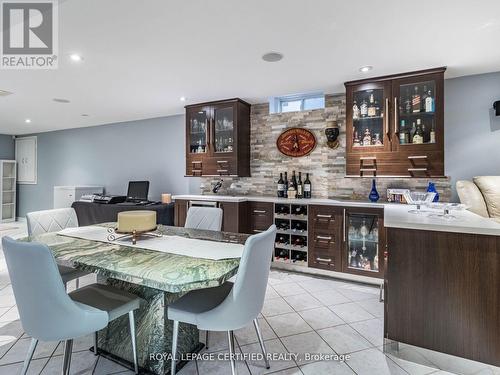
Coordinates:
[68,348]
[29,355]
[230,336]
[133,338]
[77,282]
[381,295]
[95,343]
[175,333]
[261,342]
[206,339]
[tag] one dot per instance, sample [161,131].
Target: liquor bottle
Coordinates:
[402,131]
[423,98]
[371,107]
[413,131]
[377,109]
[377,141]
[415,101]
[432,137]
[425,134]
[363,110]
[407,136]
[355,111]
[292,193]
[286,185]
[300,187]
[294,180]
[307,187]
[408,108]
[355,141]
[367,139]
[281,187]
[429,102]
[418,137]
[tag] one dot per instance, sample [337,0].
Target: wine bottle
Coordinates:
[432,138]
[423,98]
[363,110]
[418,137]
[281,187]
[415,101]
[355,111]
[300,187]
[408,108]
[286,186]
[294,180]
[307,187]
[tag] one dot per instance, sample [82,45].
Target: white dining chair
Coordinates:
[48,221]
[208,218]
[230,306]
[48,313]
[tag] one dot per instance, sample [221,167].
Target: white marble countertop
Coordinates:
[397,216]
[244,198]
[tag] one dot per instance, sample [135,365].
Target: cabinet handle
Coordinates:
[221,161]
[418,157]
[221,170]
[324,238]
[324,260]
[396,109]
[324,216]
[344,224]
[259,211]
[386,118]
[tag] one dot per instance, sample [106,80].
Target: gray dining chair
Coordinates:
[230,306]
[48,313]
[208,218]
[48,221]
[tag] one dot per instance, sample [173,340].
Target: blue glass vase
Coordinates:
[432,189]
[374,196]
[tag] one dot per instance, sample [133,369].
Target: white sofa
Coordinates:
[481,195]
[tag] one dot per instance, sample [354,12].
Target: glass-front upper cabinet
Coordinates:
[198,128]
[363,239]
[368,117]
[223,129]
[418,112]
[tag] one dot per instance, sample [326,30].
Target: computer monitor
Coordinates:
[138,190]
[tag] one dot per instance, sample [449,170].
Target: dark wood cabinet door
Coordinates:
[260,216]
[364,242]
[180,212]
[324,237]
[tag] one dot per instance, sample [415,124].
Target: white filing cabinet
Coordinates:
[64,196]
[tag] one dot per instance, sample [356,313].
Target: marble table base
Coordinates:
[153,331]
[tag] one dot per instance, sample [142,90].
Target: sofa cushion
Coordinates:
[471,196]
[490,188]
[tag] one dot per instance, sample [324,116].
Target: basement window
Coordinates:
[296,103]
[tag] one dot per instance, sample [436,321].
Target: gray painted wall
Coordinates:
[6,147]
[472,132]
[109,156]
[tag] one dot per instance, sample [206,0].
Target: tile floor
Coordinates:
[301,314]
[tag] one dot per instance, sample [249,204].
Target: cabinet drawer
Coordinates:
[322,258]
[324,218]
[261,216]
[324,241]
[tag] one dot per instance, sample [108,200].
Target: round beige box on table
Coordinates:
[138,221]
[166,198]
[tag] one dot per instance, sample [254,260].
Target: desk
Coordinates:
[95,213]
[159,278]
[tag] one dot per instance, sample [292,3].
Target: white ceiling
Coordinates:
[141,56]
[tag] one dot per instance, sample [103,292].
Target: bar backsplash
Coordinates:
[326,167]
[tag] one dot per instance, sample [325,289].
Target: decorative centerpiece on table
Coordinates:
[134,224]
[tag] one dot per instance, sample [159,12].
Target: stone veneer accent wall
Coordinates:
[326,167]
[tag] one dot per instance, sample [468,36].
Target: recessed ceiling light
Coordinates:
[272,56]
[27,121]
[365,68]
[5,93]
[182,98]
[59,100]
[76,57]
[85,115]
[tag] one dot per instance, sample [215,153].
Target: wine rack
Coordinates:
[292,233]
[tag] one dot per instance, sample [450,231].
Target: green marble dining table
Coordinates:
[159,278]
